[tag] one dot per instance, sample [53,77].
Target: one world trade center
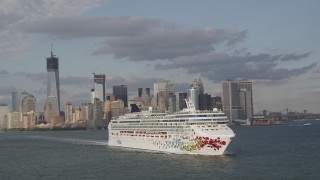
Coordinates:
[53,89]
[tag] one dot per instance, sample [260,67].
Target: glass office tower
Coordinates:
[53,86]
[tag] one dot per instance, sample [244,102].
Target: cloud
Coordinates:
[222,66]
[41,91]
[313,90]
[77,81]
[169,44]
[3,73]
[317,71]
[78,98]
[136,38]
[82,27]
[294,56]
[7,90]
[34,76]
[15,13]
[35,9]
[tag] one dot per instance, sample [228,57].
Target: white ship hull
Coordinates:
[186,132]
[199,142]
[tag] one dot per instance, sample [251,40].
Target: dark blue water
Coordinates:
[272,152]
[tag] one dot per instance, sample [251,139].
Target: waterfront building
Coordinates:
[217,102]
[23,102]
[14,120]
[68,116]
[29,120]
[182,102]
[139,102]
[111,97]
[205,102]
[193,94]
[28,102]
[163,90]
[98,97]
[53,86]
[118,108]
[231,100]
[246,100]
[97,119]
[121,92]
[87,111]
[93,96]
[15,102]
[107,111]
[163,102]
[172,104]
[78,115]
[4,113]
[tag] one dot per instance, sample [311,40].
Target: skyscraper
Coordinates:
[246,100]
[53,86]
[121,92]
[100,87]
[217,102]
[193,94]
[163,90]
[23,102]
[68,117]
[15,102]
[205,102]
[4,113]
[87,110]
[231,100]
[97,120]
[197,84]
[182,102]
[51,109]
[28,102]
[98,97]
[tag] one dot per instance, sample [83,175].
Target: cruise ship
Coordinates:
[188,131]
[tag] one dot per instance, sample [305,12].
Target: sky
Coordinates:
[273,43]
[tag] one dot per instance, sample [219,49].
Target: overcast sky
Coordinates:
[274,43]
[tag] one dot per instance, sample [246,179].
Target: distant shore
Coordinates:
[43,129]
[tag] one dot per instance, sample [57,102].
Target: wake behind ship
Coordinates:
[186,132]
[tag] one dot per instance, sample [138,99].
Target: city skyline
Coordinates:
[136,44]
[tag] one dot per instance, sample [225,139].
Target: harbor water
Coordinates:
[290,151]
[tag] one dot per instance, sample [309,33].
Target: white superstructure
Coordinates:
[185,132]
